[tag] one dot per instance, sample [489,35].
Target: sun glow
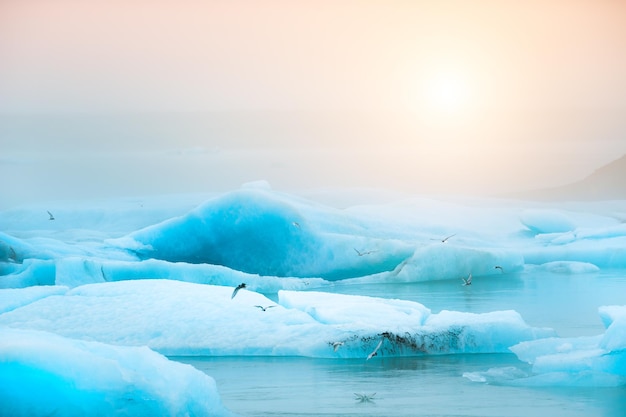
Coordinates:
[447,92]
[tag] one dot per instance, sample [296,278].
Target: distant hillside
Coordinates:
[606,183]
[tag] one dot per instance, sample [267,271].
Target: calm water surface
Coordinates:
[433,385]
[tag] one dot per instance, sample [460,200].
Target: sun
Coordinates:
[447,92]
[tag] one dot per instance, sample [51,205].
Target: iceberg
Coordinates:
[547,221]
[256,233]
[185,319]
[578,361]
[107,284]
[45,374]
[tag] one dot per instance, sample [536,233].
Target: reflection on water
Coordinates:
[433,385]
[416,386]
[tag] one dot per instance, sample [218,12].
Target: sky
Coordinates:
[424,96]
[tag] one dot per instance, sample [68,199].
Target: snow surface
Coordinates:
[45,374]
[178,318]
[147,277]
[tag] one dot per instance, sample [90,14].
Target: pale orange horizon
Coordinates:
[465,95]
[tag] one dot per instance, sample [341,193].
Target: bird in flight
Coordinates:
[375,351]
[336,346]
[51,216]
[264,308]
[445,239]
[499,267]
[240,286]
[364,252]
[467,281]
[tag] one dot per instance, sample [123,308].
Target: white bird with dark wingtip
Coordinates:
[240,286]
[375,351]
[363,253]
[264,308]
[336,346]
[467,281]
[445,239]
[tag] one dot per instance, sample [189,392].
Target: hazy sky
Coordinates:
[423,95]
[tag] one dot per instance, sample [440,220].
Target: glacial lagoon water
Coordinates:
[434,385]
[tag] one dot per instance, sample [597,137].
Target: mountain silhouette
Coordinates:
[605,183]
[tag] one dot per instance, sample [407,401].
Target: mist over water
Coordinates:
[424,97]
[363,133]
[82,156]
[539,331]
[434,385]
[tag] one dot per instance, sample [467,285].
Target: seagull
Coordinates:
[296,224]
[375,352]
[336,346]
[445,238]
[499,267]
[364,398]
[240,286]
[364,252]
[264,308]
[467,281]
[51,216]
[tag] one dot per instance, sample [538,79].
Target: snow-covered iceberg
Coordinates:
[45,374]
[255,231]
[178,318]
[159,278]
[258,232]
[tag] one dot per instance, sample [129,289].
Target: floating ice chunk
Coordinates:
[569,267]
[583,361]
[496,375]
[408,328]
[178,318]
[496,331]
[443,261]
[514,376]
[614,318]
[531,350]
[609,253]
[258,232]
[608,232]
[113,271]
[547,221]
[44,374]
[609,314]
